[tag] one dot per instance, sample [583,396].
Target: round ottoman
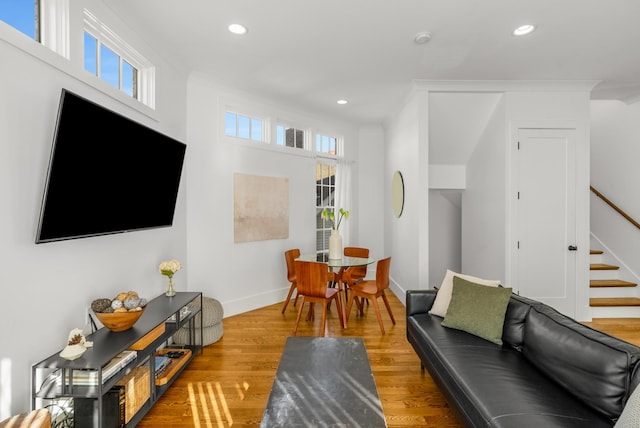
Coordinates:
[211,313]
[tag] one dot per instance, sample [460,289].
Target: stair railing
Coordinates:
[615,207]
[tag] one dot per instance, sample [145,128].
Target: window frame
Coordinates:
[323,226]
[264,127]
[146,78]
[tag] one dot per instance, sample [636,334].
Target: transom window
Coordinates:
[290,137]
[23,16]
[245,127]
[326,144]
[114,61]
[103,62]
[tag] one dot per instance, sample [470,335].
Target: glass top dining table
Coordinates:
[338,266]
[342,263]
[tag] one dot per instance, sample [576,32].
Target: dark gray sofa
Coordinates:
[551,371]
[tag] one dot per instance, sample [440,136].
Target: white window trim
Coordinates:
[54,26]
[146,70]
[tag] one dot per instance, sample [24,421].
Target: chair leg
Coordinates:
[340,311]
[350,305]
[324,317]
[286,302]
[310,315]
[295,327]
[377,308]
[386,303]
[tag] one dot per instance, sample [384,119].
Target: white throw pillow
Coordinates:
[630,417]
[443,298]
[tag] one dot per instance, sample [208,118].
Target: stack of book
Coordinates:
[162,362]
[90,377]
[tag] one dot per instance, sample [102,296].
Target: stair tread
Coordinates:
[596,252]
[602,266]
[611,283]
[614,301]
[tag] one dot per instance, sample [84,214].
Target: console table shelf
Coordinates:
[53,377]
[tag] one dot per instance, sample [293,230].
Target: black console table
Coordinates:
[53,378]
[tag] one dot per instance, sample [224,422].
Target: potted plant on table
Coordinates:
[335,240]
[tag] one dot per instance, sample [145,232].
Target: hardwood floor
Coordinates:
[228,384]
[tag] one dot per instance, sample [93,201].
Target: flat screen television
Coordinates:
[107,174]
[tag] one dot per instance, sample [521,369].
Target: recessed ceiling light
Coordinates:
[342,102]
[238,29]
[523,30]
[422,37]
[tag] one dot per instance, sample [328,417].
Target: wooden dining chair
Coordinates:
[289,257]
[372,289]
[355,274]
[313,288]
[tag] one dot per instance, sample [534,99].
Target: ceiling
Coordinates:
[310,53]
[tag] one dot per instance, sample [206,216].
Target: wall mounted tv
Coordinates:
[107,174]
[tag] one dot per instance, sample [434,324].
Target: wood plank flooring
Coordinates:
[228,384]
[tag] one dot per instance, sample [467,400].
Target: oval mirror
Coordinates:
[397,193]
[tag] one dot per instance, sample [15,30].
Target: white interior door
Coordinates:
[544,224]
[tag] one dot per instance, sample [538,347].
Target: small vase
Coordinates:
[170,290]
[335,245]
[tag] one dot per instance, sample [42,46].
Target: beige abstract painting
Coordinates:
[260,208]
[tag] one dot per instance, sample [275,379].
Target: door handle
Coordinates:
[573,248]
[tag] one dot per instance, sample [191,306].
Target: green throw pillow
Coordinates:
[477,309]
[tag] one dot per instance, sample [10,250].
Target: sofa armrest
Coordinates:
[419,301]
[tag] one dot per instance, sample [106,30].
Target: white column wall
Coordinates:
[371,205]
[406,238]
[483,201]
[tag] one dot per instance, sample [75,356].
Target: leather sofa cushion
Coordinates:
[594,367]
[514,319]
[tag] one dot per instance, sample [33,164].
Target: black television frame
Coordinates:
[107,174]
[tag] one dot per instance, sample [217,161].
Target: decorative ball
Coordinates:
[116,304]
[131,302]
[99,305]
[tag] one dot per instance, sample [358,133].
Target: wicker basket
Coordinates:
[119,321]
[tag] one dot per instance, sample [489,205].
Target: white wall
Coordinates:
[484,208]
[406,238]
[371,205]
[615,132]
[249,275]
[445,234]
[46,288]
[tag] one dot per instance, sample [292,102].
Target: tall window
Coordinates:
[325,196]
[23,15]
[245,127]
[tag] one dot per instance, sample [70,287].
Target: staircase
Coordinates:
[610,296]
